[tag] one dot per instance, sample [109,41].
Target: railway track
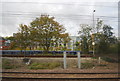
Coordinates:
[58,79]
[37,76]
[60,73]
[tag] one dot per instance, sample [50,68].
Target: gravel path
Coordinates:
[61,75]
[95,70]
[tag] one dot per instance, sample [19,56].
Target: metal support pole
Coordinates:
[93,50]
[93,32]
[93,22]
[93,43]
[79,62]
[65,65]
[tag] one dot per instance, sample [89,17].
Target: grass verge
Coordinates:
[109,60]
[44,65]
[8,64]
[87,65]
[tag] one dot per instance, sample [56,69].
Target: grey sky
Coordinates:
[70,13]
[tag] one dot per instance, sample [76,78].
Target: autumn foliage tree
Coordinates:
[44,32]
[22,37]
[64,38]
[47,31]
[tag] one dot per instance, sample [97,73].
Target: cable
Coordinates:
[33,18]
[31,13]
[77,3]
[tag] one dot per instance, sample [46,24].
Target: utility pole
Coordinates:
[93,21]
[93,43]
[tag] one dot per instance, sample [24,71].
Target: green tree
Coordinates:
[97,35]
[105,40]
[99,25]
[84,33]
[108,33]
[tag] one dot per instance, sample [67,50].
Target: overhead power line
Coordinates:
[72,18]
[67,15]
[74,3]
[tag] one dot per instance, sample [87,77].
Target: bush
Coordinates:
[7,64]
[10,64]
[87,65]
[44,65]
[54,65]
[102,65]
[109,60]
[113,49]
[37,66]
[7,67]
[94,57]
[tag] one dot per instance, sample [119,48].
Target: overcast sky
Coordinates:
[70,13]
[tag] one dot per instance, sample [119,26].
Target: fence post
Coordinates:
[65,65]
[99,59]
[79,62]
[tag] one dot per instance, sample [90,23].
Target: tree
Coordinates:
[107,31]
[11,38]
[85,37]
[33,38]
[64,38]
[96,35]
[22,37]
[12,43]
[48,31]
[99,25]
[106,38]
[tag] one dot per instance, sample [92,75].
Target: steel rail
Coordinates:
[56,78]
[59,73]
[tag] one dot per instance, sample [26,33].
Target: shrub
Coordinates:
[7,64]
[54,65]
[7,67]
[94,57]
[109,60]
[44,65]
[10,64]
[102,65]
[87,65]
